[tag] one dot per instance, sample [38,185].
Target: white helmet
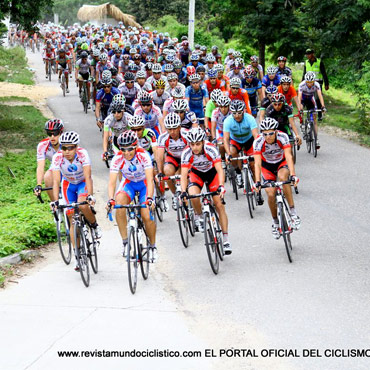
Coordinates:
[269,124]
[69,137]
[195,135]
[157,68]
[172,120]
[136,121]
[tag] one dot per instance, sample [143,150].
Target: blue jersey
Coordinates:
[267,82]
[252,87]
[196,100]
[106,99]
[240,132]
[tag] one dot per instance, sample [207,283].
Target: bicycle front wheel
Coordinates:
[308,136]
[143,249]
[132,259]
[285,231]
[63,84]
[183,224]
[248,191]
[64,237]
[84,98]
[211,242]
[233,181]
[190,217]
[81,254]
[92,243]
[314,143]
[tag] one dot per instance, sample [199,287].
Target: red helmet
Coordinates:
[278,98]
[54,124]
[190,70]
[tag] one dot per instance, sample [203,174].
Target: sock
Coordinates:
[124,241]
[94,225]
[293,212]
[226,237]
[152,245]
[238,171]
[196,217]
[276,221]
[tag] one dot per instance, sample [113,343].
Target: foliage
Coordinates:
[24,222]
[13,66]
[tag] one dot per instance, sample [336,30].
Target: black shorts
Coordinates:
[270,170]
[85,76]
[176,162]
[247,147]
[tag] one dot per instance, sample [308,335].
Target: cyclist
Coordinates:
[257,67]
[184,52]
[71,168]
[45,150]
[212,82]
[157,75]
[170,146]
[283,70]
[211,61]
[82,70]
[239,129]
[116,78]
[197,97]
[200,164]
[271,78]
[283,114]
[273,159]
[116,122]
[225,81]
[63,66]
[306,97]
[140,78]
[180,71]
[236,69]
[287,89]
[210,107]
[177,93]
[159,95]
[124,64]
[217,122]
[270,90]
[104,98]
[237,93]
[252,85]
[48,55]
[102,65]
[188,119]
[173,81]
[216,54]
[137,177]
[129,88]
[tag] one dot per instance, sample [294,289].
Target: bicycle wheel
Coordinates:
[217,227]
[92,253]
[183,224]
[314,142]
[159,204]
[143,249]
[63,84]
[84,98]
[190,217]
[285,231]
[64,237]
[233,181]
[49,71]
[210,239]
[308,136]
[131,259]
[81,254]
[248,191]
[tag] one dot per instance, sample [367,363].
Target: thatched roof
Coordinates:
[99,12]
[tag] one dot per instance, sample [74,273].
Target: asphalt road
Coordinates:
[257,301]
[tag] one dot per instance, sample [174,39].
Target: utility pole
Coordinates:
[191,22]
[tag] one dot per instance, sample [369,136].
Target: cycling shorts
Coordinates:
[309,102]
[219,134]
[156,131]
[176,162]
[85,76]
[63,66]
[130,188]
[198,178]
[247,146]
[71,192]
[270,170]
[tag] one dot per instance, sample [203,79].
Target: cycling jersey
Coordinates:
[45,150]
[232,74]
[173,147]
[257,69]
[72,172]
[117,127]
[167,106]
[241,95]
[271,153]
[210,107]
[289,95]
[202,162]
[188,121]
[103,67]
[62,61]
[308,92]
[130,94]
[124,67]
[116,60]
[265,103]
[159,100]
[151,80]
[219,118]
[240,132]
[133,170]
[106,98]
[252,88]
[267,82]
[282,116]
[286,71]
[148,140]
[210,87]
[196,100]
[151,119]
[83,68]
[48,53]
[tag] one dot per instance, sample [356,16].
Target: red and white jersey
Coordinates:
[72,172]
[151,119]
[167,106]
[45,150]
[202,162]
[48,52]
[133,170]
[271,153]
[219,118]
[173,147]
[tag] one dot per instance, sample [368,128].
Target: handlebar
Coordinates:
[243,157]
[128,206]
[43,189]
[174,177]
[204,195]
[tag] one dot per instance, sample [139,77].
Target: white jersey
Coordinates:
[159,100]
[173,147]
[45,150]
[151,119]
[271,153]
[72,172]
[202,162]
[117,127]
[133,170]
[308,91]
[219,118]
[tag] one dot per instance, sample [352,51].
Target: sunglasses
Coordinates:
[145,105]
[265,134]
[129,149]
[235,87]
[237,113]
[129,82]
[116,111]
[68,148]
[137,129]
[179,111]
[52,133]
[277,104]
[107,86]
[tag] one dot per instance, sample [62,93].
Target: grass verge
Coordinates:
[13,66]
[25,223]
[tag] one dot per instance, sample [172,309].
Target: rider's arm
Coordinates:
[293,126]
[319,94]
[40,171]
[227,142]
[213,129]
[289,160]
[97,110]
[56,184]
[184,178]
[257,166]
[112,184]
[260,94]
[159,159]
[220,172]
[88,179]
[150,182]
[255,132]
[105,140]
[299,99]
[161,124]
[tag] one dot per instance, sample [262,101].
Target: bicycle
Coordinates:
[137,249]
[232,179]
[63,232]
[213,236]
[308,129]
[248,182]
[184,213]
[107,157]
[49,68]
[84,96]
[63,84]
[284,217]
[85,242]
